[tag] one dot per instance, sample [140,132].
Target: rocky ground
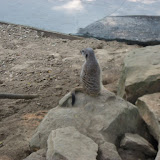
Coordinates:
[31,62]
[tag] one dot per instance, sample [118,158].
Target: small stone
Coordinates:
[108,151]
[138,143]
[58,87]
[69,144]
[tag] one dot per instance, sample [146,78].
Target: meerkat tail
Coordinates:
[17,96]
[78,89]
[73,98]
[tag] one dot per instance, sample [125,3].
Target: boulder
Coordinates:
[108,151]
[69,144]
[39,155]
[132,29]
[137,143]
[140,73]
[103,118]
[149,108]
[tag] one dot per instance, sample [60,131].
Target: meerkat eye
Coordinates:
[86,56]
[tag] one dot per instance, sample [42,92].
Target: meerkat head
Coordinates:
[88,53]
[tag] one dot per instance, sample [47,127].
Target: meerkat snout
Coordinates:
[83,53]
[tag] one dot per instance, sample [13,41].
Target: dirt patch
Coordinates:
[50,67]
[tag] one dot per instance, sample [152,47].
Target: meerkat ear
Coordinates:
[86,56]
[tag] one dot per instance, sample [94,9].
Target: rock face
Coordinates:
[138,143]
[149,107]
[108,151]
[140,74]
[69,144]
[138,29]
[103,118]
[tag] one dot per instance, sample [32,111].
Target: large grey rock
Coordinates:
[149,108]
[108,151]
[138,143]
[103,118]
[39,155]
[69,144]
[138,29]
[141,73]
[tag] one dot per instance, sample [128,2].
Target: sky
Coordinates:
[68,16]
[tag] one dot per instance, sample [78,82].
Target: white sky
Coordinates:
[78,5]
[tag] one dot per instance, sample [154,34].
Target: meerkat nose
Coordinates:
[82,51]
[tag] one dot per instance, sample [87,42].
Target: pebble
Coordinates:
[58,87]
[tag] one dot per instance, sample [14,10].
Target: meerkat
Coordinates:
[17,96]
[90,76]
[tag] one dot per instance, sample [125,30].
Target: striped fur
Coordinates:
[90,74]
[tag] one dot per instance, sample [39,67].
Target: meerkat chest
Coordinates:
[90,70]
